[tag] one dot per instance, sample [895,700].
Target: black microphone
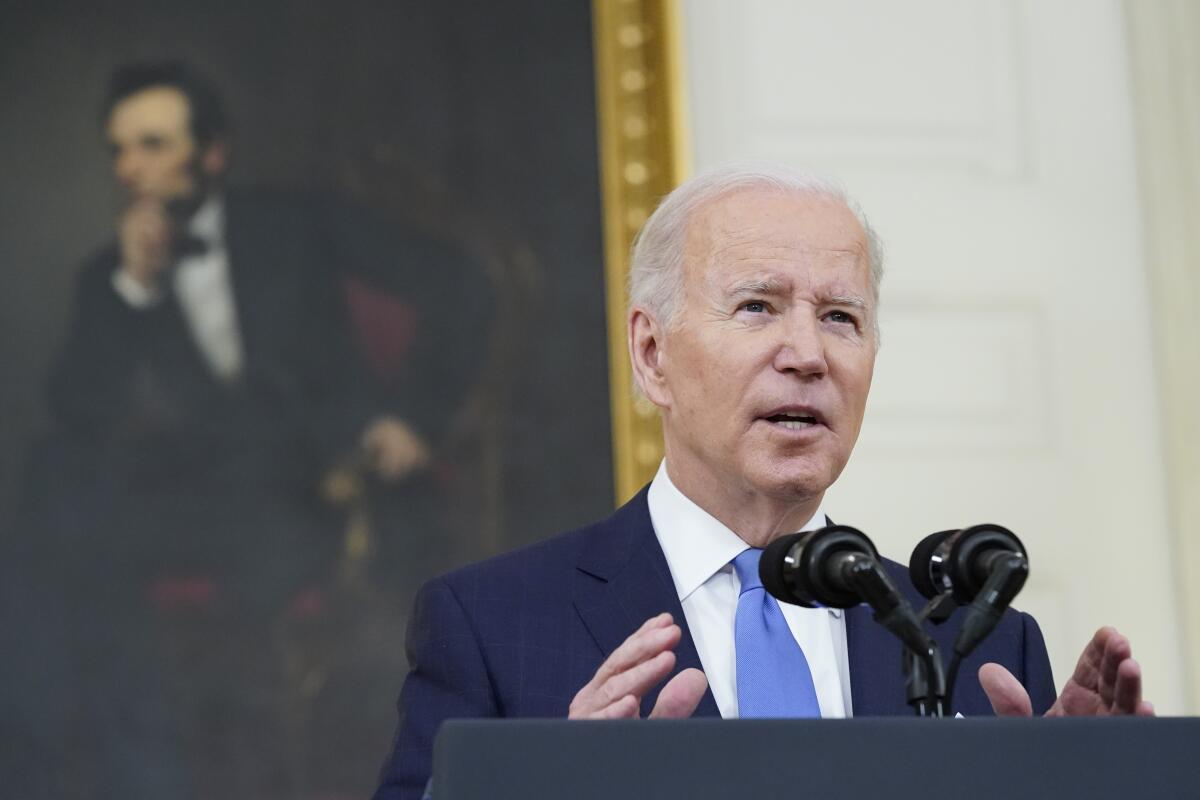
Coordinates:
[983,566]
[919,568]
[838,567]
[812,568]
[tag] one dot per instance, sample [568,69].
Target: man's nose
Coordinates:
[802,347]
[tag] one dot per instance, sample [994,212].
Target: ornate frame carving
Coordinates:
[642,122]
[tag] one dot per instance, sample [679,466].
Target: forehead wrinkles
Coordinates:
[726,233]
[781,268]
[775,242]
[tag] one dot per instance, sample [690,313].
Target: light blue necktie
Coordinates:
[773,678]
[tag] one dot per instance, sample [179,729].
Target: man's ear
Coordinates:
[215,158]
[647,355]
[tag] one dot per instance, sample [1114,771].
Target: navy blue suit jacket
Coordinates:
[520,634]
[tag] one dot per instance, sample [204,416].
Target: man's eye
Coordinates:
[840,317]
[754,307]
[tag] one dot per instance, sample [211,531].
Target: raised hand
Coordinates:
[144,232]
[1107,681]
[634,668]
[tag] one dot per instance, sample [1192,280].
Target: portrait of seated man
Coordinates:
[209,381]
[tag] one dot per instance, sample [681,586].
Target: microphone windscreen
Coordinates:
[770,568]
[918,565]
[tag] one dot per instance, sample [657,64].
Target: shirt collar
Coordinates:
[696,544]
[208,223]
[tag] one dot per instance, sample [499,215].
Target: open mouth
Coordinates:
[793,422]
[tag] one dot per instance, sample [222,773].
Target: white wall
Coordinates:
[992,144]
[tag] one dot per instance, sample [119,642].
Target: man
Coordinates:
[209,366]
[206,385]
[753,328]
[230,272]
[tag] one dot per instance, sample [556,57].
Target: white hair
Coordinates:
[656,265]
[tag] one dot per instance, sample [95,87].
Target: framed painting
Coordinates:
[375,342]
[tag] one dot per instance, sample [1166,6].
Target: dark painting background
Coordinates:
[470,121]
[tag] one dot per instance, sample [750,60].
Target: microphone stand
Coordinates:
[924,673]
[925,682]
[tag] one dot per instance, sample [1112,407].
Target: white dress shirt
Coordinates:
[699,550]
[202,284]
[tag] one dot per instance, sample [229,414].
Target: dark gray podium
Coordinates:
[896,759]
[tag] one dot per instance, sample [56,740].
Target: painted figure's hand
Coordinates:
[395,449]
[144,232]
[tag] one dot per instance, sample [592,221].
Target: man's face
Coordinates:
[154,154]
[767,369]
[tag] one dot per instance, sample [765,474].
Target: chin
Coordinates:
[794,479]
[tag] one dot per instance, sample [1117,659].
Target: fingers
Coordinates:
[638,680]
[639,664]
[395,449]
[647,641]
[148,222]
[1116,652]
[624,708]
[1127,692]
[1006,694]
[395,459]
[1107,680]
[1088,668]
[1120,684]
[145,234]
[621,695]
[679,698]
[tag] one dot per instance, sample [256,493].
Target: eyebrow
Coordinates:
[756,287]
[770,286]
[848,300]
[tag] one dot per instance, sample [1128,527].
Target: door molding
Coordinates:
[1164,45]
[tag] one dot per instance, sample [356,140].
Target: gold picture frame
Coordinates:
[643,142]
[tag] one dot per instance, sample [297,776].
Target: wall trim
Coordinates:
[1164,44]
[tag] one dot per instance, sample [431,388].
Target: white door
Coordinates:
[991,143]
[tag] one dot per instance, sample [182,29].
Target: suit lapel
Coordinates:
[624,580]
[244,251]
